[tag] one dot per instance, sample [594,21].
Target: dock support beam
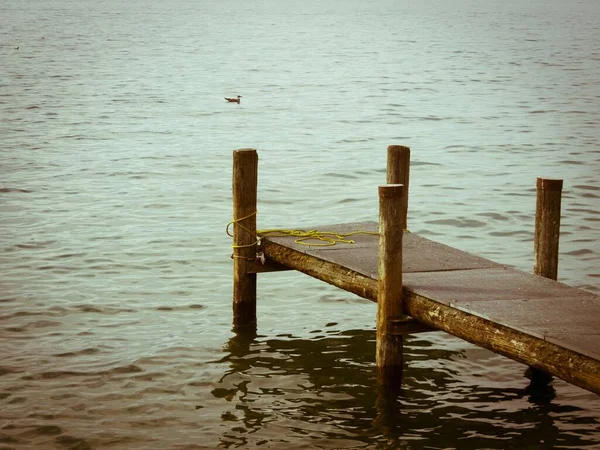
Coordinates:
[545,249]
[389,294]
[245,183]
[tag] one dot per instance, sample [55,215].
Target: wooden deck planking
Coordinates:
[531,319]
[361,256]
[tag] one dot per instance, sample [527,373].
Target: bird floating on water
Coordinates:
[234,100]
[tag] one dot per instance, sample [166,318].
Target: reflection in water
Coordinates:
[290,390]
[540,389]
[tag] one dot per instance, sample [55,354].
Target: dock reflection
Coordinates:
[287,390]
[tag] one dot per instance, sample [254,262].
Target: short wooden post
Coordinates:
[547,227]
[245,183]
[398,172]
[389,294]
[545,249]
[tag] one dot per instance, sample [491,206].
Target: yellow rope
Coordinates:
[326,238]
[237,222]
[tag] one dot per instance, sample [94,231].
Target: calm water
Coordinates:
[115,303]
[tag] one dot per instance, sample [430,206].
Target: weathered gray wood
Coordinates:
[547,227]
[245,182]
[389,293]
[537,321]
[398,172]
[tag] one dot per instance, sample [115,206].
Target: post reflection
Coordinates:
[286,390]
[540,389]
[388,419]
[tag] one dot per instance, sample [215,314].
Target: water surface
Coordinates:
[115,306]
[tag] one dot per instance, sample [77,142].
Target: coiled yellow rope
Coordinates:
[325,238]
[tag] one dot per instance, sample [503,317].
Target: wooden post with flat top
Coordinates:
[398,171]
[245,183]
[547,227]
[545,249]
[389,293]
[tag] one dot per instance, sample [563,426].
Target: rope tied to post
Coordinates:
[238,222]
[302,237]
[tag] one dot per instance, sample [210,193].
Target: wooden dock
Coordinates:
[422,285]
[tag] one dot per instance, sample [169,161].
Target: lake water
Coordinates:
[116,142]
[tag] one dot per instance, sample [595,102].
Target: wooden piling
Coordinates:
[389,296]
[545,248]
[547,227]
[398,172]
[245,183]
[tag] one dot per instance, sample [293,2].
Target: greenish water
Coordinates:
[115,269]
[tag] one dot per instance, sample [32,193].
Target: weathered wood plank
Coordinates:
[536,305]
[422,254]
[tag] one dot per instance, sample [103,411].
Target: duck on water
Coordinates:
[234,100]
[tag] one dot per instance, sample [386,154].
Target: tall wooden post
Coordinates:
[545,249]
[389,294]
[547,227]
[398,172]
[392,222]
[245,183]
